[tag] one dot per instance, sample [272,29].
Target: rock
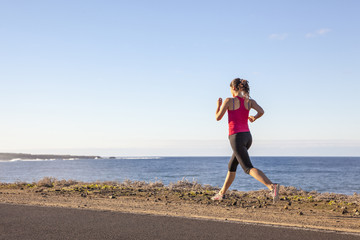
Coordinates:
[286,207]
[301,213]
[234,203]
[344,211]
[356,212]
[112,197]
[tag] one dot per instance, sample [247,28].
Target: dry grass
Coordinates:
[185,184]
[142,184]
[53,182]
[65,183]
[46,182]
[286,192]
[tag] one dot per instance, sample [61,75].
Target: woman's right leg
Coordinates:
[261,177]
[240,143]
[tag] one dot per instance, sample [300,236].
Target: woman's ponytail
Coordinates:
[242,85]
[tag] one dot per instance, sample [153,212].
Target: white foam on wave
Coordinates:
[29,160]
[73,159]
[36,159]
[70,159]
[136,158]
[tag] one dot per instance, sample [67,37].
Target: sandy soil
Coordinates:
[185,199]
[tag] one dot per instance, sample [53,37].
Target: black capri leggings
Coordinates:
[240,143]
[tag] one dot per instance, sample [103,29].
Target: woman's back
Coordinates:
[234,103]
[238,114]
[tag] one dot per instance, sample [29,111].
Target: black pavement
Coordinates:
[33,222]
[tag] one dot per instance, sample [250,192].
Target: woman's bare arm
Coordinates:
[221,108]
[257,108]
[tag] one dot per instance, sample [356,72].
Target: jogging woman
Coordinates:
[238,108]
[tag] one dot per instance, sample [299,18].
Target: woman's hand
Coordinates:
[252,118]
[219,102]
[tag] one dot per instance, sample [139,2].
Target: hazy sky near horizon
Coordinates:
[143,77]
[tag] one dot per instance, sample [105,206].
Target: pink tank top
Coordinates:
[238,119]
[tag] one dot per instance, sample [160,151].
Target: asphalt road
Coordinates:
[32,222]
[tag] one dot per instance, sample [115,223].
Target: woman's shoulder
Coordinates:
[227,100]
[253,103]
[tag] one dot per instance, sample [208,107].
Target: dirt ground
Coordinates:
[296,208]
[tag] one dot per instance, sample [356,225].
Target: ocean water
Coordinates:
[323,174]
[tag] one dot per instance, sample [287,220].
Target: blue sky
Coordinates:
[142,77]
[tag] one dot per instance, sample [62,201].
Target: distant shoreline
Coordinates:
[10,156]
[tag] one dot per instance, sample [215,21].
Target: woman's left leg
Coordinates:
[228,181]
[229,178]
